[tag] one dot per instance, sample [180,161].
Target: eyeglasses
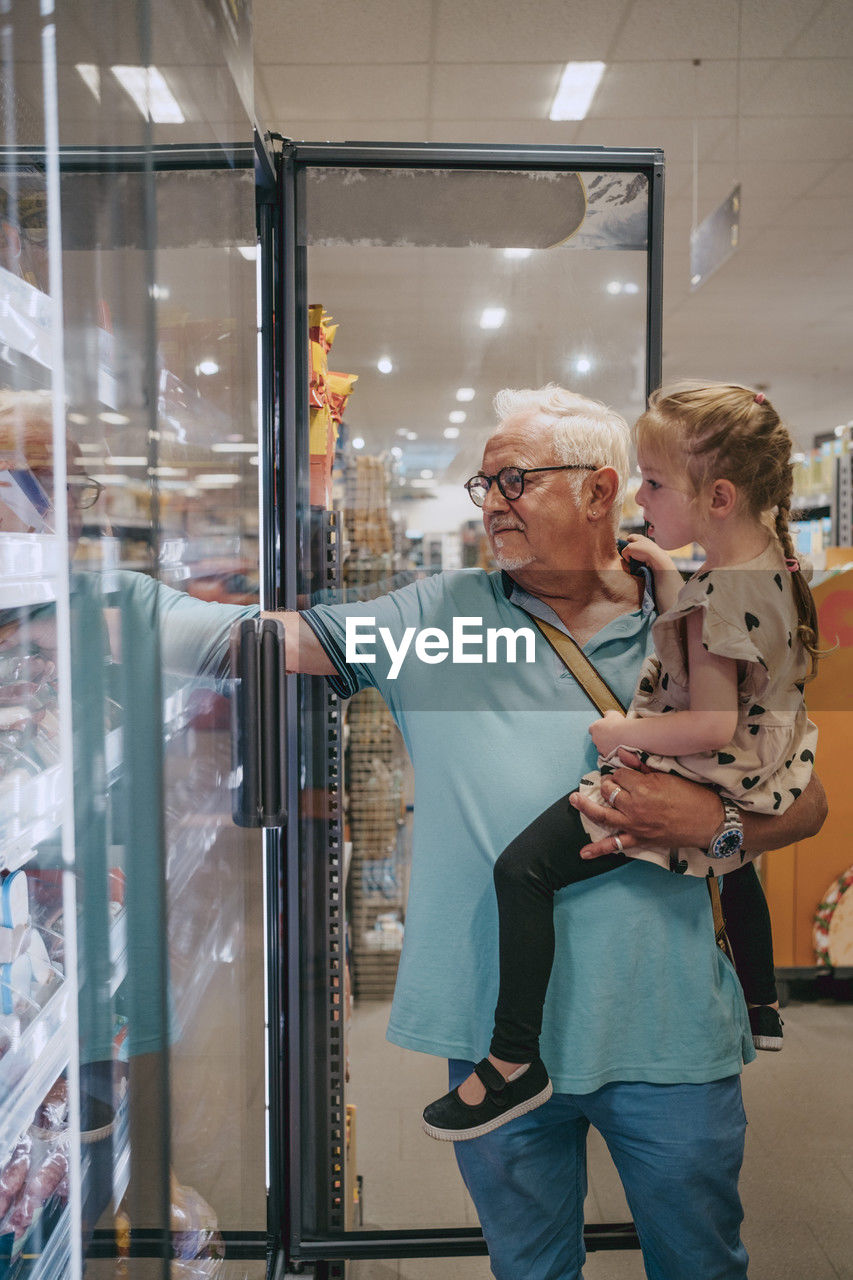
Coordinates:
[84,492]
[510,480]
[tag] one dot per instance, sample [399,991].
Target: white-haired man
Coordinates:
[645,1028]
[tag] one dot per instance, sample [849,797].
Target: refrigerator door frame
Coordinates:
[290,1137]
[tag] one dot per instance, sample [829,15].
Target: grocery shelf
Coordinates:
[29,567]
[30,811]
[28,1070]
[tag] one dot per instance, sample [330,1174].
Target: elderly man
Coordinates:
[645,1026]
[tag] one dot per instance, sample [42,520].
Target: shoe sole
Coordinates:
[771,1043]
[464,1135]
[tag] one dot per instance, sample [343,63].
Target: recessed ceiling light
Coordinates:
[631,287]
[517,253]
[396,451]
[427,474]
[451,433]
[159,292]
[492,317]
[614,287]
[207,367]
[583,364]
[576,90]
[149,91]
[457,415]
[465,393]
[384,364]
[358,442]
[81,419]
[411,435]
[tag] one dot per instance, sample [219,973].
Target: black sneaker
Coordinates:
[453,1120]
[766,1026]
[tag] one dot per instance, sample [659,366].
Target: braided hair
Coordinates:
[730,432]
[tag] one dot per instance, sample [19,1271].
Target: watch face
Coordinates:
[727,844]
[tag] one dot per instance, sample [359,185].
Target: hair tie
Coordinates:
[760,397]
[792,565]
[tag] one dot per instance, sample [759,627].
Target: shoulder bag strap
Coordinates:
[604,699]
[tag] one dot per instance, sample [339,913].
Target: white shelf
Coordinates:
[28,1071]
[30,811]
[29,567]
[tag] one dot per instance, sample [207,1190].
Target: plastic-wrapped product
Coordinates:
[42,1181]
[13,1175]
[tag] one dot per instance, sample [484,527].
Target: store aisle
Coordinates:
[797,1182]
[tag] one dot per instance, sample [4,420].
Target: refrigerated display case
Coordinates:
[403,245]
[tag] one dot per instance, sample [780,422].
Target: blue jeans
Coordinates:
[678,1150]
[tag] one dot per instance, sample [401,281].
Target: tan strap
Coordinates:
[604,699]
[594,686]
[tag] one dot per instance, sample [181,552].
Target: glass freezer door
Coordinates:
[415,282]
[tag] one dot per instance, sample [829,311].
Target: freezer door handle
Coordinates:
[258,735]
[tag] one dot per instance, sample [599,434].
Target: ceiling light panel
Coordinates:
[576,90]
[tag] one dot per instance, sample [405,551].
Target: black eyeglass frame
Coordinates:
[522,472]
[82,483]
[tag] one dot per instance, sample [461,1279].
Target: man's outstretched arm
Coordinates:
[303,651]
[662,808]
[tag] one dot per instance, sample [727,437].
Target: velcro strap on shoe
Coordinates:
[490,1076]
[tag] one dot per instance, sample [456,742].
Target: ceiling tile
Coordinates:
[792,139]
[828,35]
[494,91]
[374,31]
[838,181]
[814,215]
[768,29]
[525,30]
[673,135]
[678,29]
[631,89]
[802,88]
[339,92]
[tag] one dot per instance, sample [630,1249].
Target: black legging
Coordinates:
[545,857]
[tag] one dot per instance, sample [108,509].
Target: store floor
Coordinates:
[797,1183]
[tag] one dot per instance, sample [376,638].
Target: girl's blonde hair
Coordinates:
[727,432]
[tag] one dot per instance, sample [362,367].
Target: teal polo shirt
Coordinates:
[639,990]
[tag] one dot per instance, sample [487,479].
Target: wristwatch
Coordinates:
[727,840]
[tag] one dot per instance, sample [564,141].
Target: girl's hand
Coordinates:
[608,732]
[647,552]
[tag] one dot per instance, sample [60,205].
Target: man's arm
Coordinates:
[662,808]
[303,651]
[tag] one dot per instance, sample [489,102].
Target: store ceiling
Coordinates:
[765,87]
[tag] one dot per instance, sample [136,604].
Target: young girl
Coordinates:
[719,702]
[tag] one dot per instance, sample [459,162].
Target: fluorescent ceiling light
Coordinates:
[411,435]
[451,433]
[492,317]
[576,90]
[458,415]
[246,447]
[517,253]
[159,292]
[151,94]
[465,393]
[384,364]
[614,287]
[91,77]
[207,367]
[631,287]
[215,481]
[358,443]
[136,461]
[167,471]
[249,251]
[114,419]
[427,475]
